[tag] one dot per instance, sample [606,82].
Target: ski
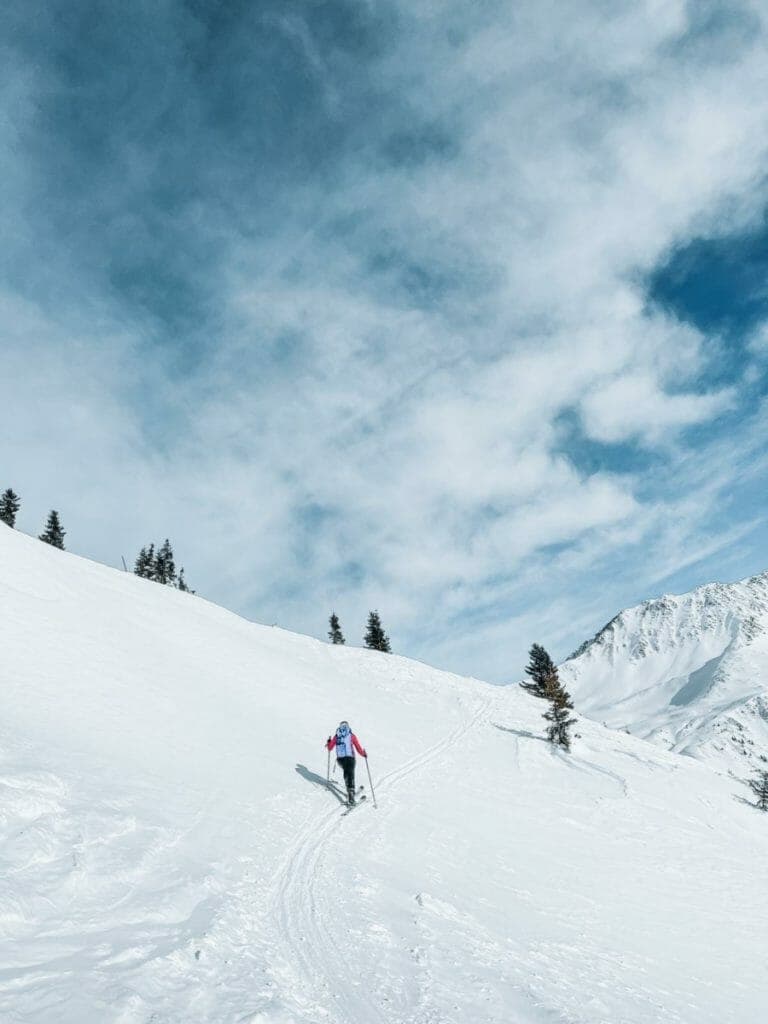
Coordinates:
[342,794]
[352,807]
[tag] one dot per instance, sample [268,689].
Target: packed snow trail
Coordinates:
[162,861]
[305,905]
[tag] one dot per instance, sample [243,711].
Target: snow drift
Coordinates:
[169,853]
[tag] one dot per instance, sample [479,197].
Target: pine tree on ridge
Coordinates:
[53,533]
[560,704]
[334,633]
[9,506]
[375,637]
[145,563]
[160,567]
[164,565]
[539,668]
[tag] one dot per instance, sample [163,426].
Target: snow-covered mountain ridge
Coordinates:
[169,853]
[687,671]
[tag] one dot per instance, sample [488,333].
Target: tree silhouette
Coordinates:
[375,637]
[560,704]
[9,506]
[334,633]
[540,667]
[165,567]
[53,533]
[145,563]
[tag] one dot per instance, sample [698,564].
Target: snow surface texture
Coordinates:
[689,672]
[169,853]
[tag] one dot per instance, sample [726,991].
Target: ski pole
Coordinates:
[370,782]
[328,770]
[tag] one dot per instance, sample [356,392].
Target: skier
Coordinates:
[346,743]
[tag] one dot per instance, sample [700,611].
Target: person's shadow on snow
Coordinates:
[318,780]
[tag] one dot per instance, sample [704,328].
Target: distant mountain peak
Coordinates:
[688,671]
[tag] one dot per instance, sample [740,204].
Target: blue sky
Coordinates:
[453,310]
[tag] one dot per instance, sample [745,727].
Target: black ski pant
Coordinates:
[348,767]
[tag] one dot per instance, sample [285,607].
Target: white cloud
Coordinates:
[634,406]
[758,342]
[335,422]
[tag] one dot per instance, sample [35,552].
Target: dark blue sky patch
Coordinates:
[161,132]
[590,457]
[414,146]
[720,285]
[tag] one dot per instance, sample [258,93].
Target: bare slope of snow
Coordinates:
[168,853]
[687,671]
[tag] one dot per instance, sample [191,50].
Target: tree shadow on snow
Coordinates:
[520,732]
[749,803]
[319,780]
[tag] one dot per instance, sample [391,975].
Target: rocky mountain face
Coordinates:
[689,672]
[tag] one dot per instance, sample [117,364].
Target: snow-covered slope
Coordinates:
[689,672]
[168,853]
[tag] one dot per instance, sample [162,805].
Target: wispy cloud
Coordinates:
[315,289]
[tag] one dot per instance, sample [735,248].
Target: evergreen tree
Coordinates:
[334,633]
[9,506]
[539,668]
[164,565]
[375,637]
[759,787]
[160,567]
[557,714]
[182,584]
[145,563]
[53,533]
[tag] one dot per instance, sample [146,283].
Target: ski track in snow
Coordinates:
[579,764]
[303,910]
[160,864]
